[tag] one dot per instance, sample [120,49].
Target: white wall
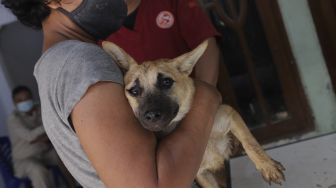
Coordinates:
[21,47]
[310,61]
[5,101]
[5,16]
[6,105]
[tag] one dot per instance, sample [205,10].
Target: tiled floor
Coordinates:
[309,164]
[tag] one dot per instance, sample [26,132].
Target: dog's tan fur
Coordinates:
[227,119]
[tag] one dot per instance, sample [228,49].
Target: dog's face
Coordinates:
[160,92]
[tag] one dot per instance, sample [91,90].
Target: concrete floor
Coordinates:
[309,164]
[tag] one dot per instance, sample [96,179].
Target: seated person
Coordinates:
[157,29]
[31,150]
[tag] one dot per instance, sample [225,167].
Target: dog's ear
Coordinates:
[186,62]
[124,60]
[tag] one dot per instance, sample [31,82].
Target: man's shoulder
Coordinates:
[68,56]
[70,47]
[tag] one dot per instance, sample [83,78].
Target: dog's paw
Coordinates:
[272,171]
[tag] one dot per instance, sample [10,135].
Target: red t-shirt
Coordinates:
[164,29]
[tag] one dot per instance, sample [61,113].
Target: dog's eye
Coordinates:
[135,91]
[166,83]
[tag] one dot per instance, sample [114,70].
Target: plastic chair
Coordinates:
[6,167]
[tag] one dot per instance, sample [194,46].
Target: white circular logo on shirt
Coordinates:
[165,20]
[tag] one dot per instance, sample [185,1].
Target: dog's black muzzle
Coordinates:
[157,111]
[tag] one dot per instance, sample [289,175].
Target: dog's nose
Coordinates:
[152,116]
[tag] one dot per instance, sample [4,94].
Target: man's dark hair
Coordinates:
[20,89]
[29,12]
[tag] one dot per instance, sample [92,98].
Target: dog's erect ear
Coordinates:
[124,60]
[186,62]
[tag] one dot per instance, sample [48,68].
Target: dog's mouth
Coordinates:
[156,111]
[158,121]
[154,128]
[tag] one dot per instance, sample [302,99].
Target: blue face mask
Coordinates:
[25,106]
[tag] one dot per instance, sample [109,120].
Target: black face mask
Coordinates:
[99,18]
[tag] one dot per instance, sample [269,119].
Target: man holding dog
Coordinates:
[84,109]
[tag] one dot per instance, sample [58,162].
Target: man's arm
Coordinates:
[207,66]
[43,138]
[184,148]
[126,155]
[20,130]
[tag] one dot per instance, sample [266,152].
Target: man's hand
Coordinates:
[43,138]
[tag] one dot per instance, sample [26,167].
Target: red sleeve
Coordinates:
[194,24]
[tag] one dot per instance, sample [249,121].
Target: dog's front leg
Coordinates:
[205,178]
[270,169]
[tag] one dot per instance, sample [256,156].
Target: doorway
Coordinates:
[258,75]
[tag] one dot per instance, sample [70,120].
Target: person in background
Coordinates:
[165,29]
[31,149]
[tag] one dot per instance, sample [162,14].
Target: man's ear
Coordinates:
[186,62]
[124,60]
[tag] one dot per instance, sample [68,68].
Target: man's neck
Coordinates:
[58,27]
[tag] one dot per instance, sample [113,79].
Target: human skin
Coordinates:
[122,152]
[207,66]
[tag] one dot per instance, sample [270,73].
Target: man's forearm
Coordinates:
[118,142]
[180,157]
[180,153]
[27,134]
[207,67]
[42,138]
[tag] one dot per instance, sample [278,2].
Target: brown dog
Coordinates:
[161,92]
